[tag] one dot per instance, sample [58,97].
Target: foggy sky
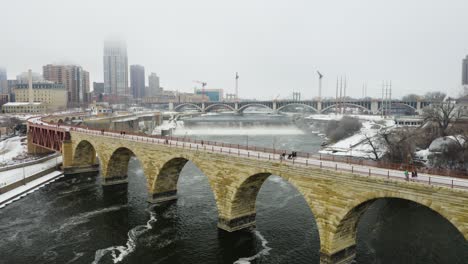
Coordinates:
[276,46]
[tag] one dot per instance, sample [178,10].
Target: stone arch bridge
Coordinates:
[336,198]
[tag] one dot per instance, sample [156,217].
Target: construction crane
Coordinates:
[320,76]
[203,84]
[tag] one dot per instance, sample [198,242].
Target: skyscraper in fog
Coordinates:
[3,81]
[116,69]
[465,71]
[137,80]
[153,85]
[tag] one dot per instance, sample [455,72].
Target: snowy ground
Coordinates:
[339,116]
[30,187]
[12,150]
[357,145]
[11,176]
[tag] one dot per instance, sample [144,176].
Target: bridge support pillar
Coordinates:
[108,181]
[67,153]
[344,256]
[374,107]
[162,196]
[238,223]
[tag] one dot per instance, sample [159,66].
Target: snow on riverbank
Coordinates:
[12,149]
[30,187]
[339,116]
[358,145]
[11,176]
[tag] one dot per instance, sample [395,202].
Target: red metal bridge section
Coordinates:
[48,137]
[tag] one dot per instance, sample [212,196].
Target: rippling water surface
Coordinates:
[75,220]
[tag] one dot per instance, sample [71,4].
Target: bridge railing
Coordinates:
[272,151]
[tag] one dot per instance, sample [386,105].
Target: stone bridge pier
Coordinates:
[336,199]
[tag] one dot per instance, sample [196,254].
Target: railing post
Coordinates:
[429,180]
[268,156]
[229,151]
[212,148]
[293,161]
[221,150]
[320,164]
[238,152]
[369,171]
[388,174]
[307,162]
[248,154]
[336,166]
[452,183]
[258,154]
[352,169]
[197,147]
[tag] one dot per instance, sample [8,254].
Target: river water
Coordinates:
[75,220]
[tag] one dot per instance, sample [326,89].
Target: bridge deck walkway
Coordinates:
[361,170]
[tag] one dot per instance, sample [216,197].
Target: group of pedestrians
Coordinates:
[414,175]
[292,156]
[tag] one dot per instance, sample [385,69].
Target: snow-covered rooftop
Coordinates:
[21,103]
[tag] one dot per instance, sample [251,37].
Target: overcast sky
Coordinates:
[276,46]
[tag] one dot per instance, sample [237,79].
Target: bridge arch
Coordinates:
[84,154]
[164,185]
[345,104]
[298,104]
[116,168]
[244,107]
[242,205]
[409,107]
[343,235]
[219,105]
[180,106]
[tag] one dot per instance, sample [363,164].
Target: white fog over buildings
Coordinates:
[23,77]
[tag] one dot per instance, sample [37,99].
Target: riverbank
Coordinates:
[18,180]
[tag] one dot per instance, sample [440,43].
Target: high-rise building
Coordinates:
[137,81]
[98,87]
[75,80]
[3,81]
[153,85]
[116,69]
[465,71]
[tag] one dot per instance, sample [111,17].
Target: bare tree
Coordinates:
[442,114]
[399,144]
[374,147]
[347,126]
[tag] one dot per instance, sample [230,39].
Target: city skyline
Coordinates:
[296,40]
